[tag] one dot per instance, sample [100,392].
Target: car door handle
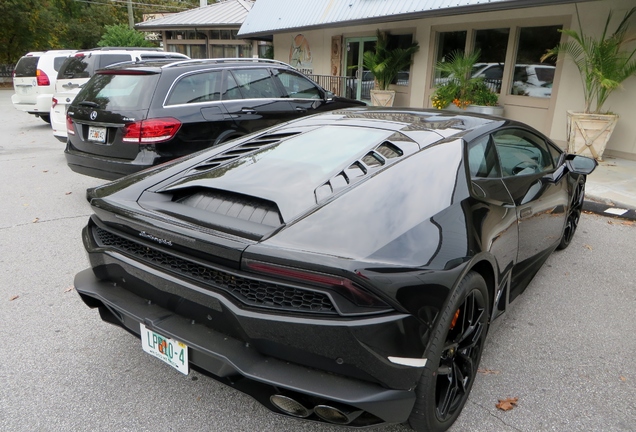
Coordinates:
[301,109]
[248,111]
[525,212]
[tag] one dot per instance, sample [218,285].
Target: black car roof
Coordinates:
[194,64]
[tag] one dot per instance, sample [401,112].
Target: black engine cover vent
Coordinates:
[235,152]
[384,154]
[233,205]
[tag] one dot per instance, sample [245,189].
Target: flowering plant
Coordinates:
[459,88]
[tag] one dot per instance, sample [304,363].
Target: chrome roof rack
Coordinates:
[225,60]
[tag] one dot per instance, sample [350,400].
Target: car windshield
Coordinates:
[119,91]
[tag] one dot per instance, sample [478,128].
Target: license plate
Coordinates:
[97,134]
[171,351]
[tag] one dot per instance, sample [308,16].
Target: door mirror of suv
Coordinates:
[578,164]
[329,96]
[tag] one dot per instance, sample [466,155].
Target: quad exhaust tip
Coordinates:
[289,406]
[337,415]
[331,413]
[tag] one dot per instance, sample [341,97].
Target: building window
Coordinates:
[531,76]
[492,44]
[447,42]
[400,41]
[197,51]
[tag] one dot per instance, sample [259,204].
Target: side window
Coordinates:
[202,87]
[256,83]
[57,63]
[109,59]
[298,87]
[230,89]
[522,152]
[482,158]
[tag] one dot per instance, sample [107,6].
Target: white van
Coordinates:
[34,79]
[79,67]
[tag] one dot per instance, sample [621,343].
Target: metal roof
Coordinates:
[275,16]
[225,13]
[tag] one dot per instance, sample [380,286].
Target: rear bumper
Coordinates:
[237,363]
[41,106]
[322,359]
[107,168]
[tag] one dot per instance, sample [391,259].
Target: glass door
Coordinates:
[359,81]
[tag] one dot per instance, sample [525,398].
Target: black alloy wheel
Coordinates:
[574,215]
[453,357]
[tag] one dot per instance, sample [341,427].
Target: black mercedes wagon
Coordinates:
[136,115]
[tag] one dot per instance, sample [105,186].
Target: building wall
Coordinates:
[546,114]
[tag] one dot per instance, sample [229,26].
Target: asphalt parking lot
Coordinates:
[566,350]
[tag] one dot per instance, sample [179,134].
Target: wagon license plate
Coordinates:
[97,134]
[168,350]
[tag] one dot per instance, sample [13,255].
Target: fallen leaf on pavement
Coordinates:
[507,404]
[623,378]
[69,289]
[68,193]
[628,223]
[14,297]
[35,220]
[589,247]
[610,222]
[45,170]
[488,371]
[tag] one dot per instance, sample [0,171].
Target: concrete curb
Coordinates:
[607,208]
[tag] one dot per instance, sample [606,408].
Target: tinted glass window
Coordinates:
[26,67]
[119,92]
[298,87]
[202,87]
[256,84]
[230,89]
[492,44]
[109,59]
[57,62]
[536,78]
[482,158]
[447,42]
[522,152]
[76,67]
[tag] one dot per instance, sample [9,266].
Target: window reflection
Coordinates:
[531,77]
[492,43]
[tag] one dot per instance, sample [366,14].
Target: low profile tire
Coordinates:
[574,215]
[453,357]
[46,118]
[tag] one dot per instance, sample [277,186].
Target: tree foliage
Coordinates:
[121,35]
[39,25]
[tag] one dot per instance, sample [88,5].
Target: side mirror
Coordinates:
[329,96]
[578,164]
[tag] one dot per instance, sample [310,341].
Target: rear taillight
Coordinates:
[42,77]
[53,103]
[70,129]
[342,286]
[151,131]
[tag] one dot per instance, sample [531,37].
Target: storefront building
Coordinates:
[322,37]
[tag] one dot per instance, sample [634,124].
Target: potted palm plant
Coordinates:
[385,63]
[459,89]
[604,63]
